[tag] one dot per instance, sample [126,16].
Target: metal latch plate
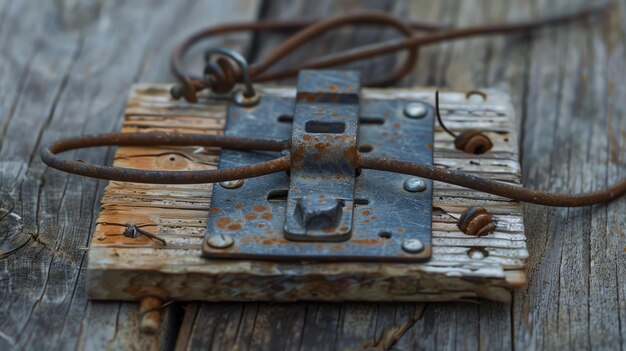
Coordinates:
[386,216]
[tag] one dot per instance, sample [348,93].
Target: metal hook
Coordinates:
[249,96]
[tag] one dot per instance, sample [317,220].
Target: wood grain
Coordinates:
[566,85]
[66,69]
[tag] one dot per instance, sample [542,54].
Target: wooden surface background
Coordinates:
[66,68]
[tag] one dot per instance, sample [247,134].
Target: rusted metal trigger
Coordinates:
[326,208]
[323,156]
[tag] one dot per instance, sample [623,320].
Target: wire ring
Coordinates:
[250,96]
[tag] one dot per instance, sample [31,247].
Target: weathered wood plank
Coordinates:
[174,22]
[39,279]
[66,69]
[574,141]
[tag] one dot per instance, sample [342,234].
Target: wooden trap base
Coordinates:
[462,267]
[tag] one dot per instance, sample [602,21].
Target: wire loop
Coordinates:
[189,85]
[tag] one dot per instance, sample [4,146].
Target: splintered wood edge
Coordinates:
[462,267]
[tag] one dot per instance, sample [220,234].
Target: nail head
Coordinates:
[415,110]
[415,185]
[220,241]
[232,184]
[412,246]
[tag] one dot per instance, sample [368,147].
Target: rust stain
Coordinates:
[223,222]
[214,210]
[239,206]
[267,216]
[260,208]
[250,216]
[266,241]
[332,87]
[321,147]
[234,226]
[297,156]
[365,242]
[306,97]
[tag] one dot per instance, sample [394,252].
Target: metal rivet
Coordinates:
[232,184]
[415,110]
[412,246]
[415,185]
[220,241]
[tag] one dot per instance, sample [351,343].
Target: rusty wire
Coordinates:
[283,163]
[491,186]
[48,155]
[223,74]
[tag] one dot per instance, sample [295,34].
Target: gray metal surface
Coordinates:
[320,202]
[385,214]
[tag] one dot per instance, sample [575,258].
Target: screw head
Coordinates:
[220,241]
[412,246]
[415,185]
[232,184]
[415,110]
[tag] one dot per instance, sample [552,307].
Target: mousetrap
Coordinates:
[323,191]
[320,231]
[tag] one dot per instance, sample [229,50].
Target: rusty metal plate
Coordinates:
[386,218]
